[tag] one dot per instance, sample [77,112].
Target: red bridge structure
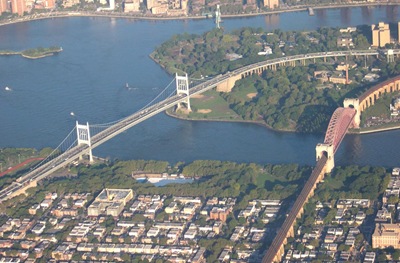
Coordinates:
[342,119]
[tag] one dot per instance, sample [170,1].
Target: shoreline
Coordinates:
[376,130]
[380,130]
[263,124]
[21,53]
[63,14]
[141,17]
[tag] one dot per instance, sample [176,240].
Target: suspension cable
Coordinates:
[105,125]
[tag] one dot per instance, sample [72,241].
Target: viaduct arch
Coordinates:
[273,64]
[369,97]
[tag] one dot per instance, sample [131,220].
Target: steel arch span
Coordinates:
[340,122]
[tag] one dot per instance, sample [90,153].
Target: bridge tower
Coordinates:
[83,133]
[217,17]
[182,87]
[390,56]
[327,149]
[354,103]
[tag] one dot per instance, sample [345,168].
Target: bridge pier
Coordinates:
[327,149]
[390,56]
[354,103]
[83,133]
[228,85]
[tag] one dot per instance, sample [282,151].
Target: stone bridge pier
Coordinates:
[328,150]
[228,84]
[354,103]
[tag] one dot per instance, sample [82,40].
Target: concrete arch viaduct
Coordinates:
[369,97]
[272,64]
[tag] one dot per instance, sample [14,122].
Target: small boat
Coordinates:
[7,89]
[127,85]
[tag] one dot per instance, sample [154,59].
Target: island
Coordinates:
[298,97]
[33,53]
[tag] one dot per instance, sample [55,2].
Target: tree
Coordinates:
[396,254]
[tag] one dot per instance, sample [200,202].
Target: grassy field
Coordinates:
[210,106]
[380,108]
[244,93]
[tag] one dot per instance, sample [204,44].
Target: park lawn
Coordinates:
[379,109]
[212,106]
[244,93]
[381,106]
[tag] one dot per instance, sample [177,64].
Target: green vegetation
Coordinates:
[216,179]
[351,182]
[206,55]
[10,157]
[221,179]
[380,109]
[34,53]
[290,98]
[209,106]
[286,100]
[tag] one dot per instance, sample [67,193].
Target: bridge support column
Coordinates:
[182,87]
[390,56]
[327,149]
[354,103]
[228,85]
[83,133]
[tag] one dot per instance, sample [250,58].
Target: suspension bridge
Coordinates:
[83,138]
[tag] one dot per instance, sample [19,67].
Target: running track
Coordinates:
[20,165]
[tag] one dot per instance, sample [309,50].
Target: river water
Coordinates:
[102,54]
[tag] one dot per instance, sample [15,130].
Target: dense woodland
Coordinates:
[288,99]
[205,55]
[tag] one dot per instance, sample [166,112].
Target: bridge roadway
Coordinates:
[68,156]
